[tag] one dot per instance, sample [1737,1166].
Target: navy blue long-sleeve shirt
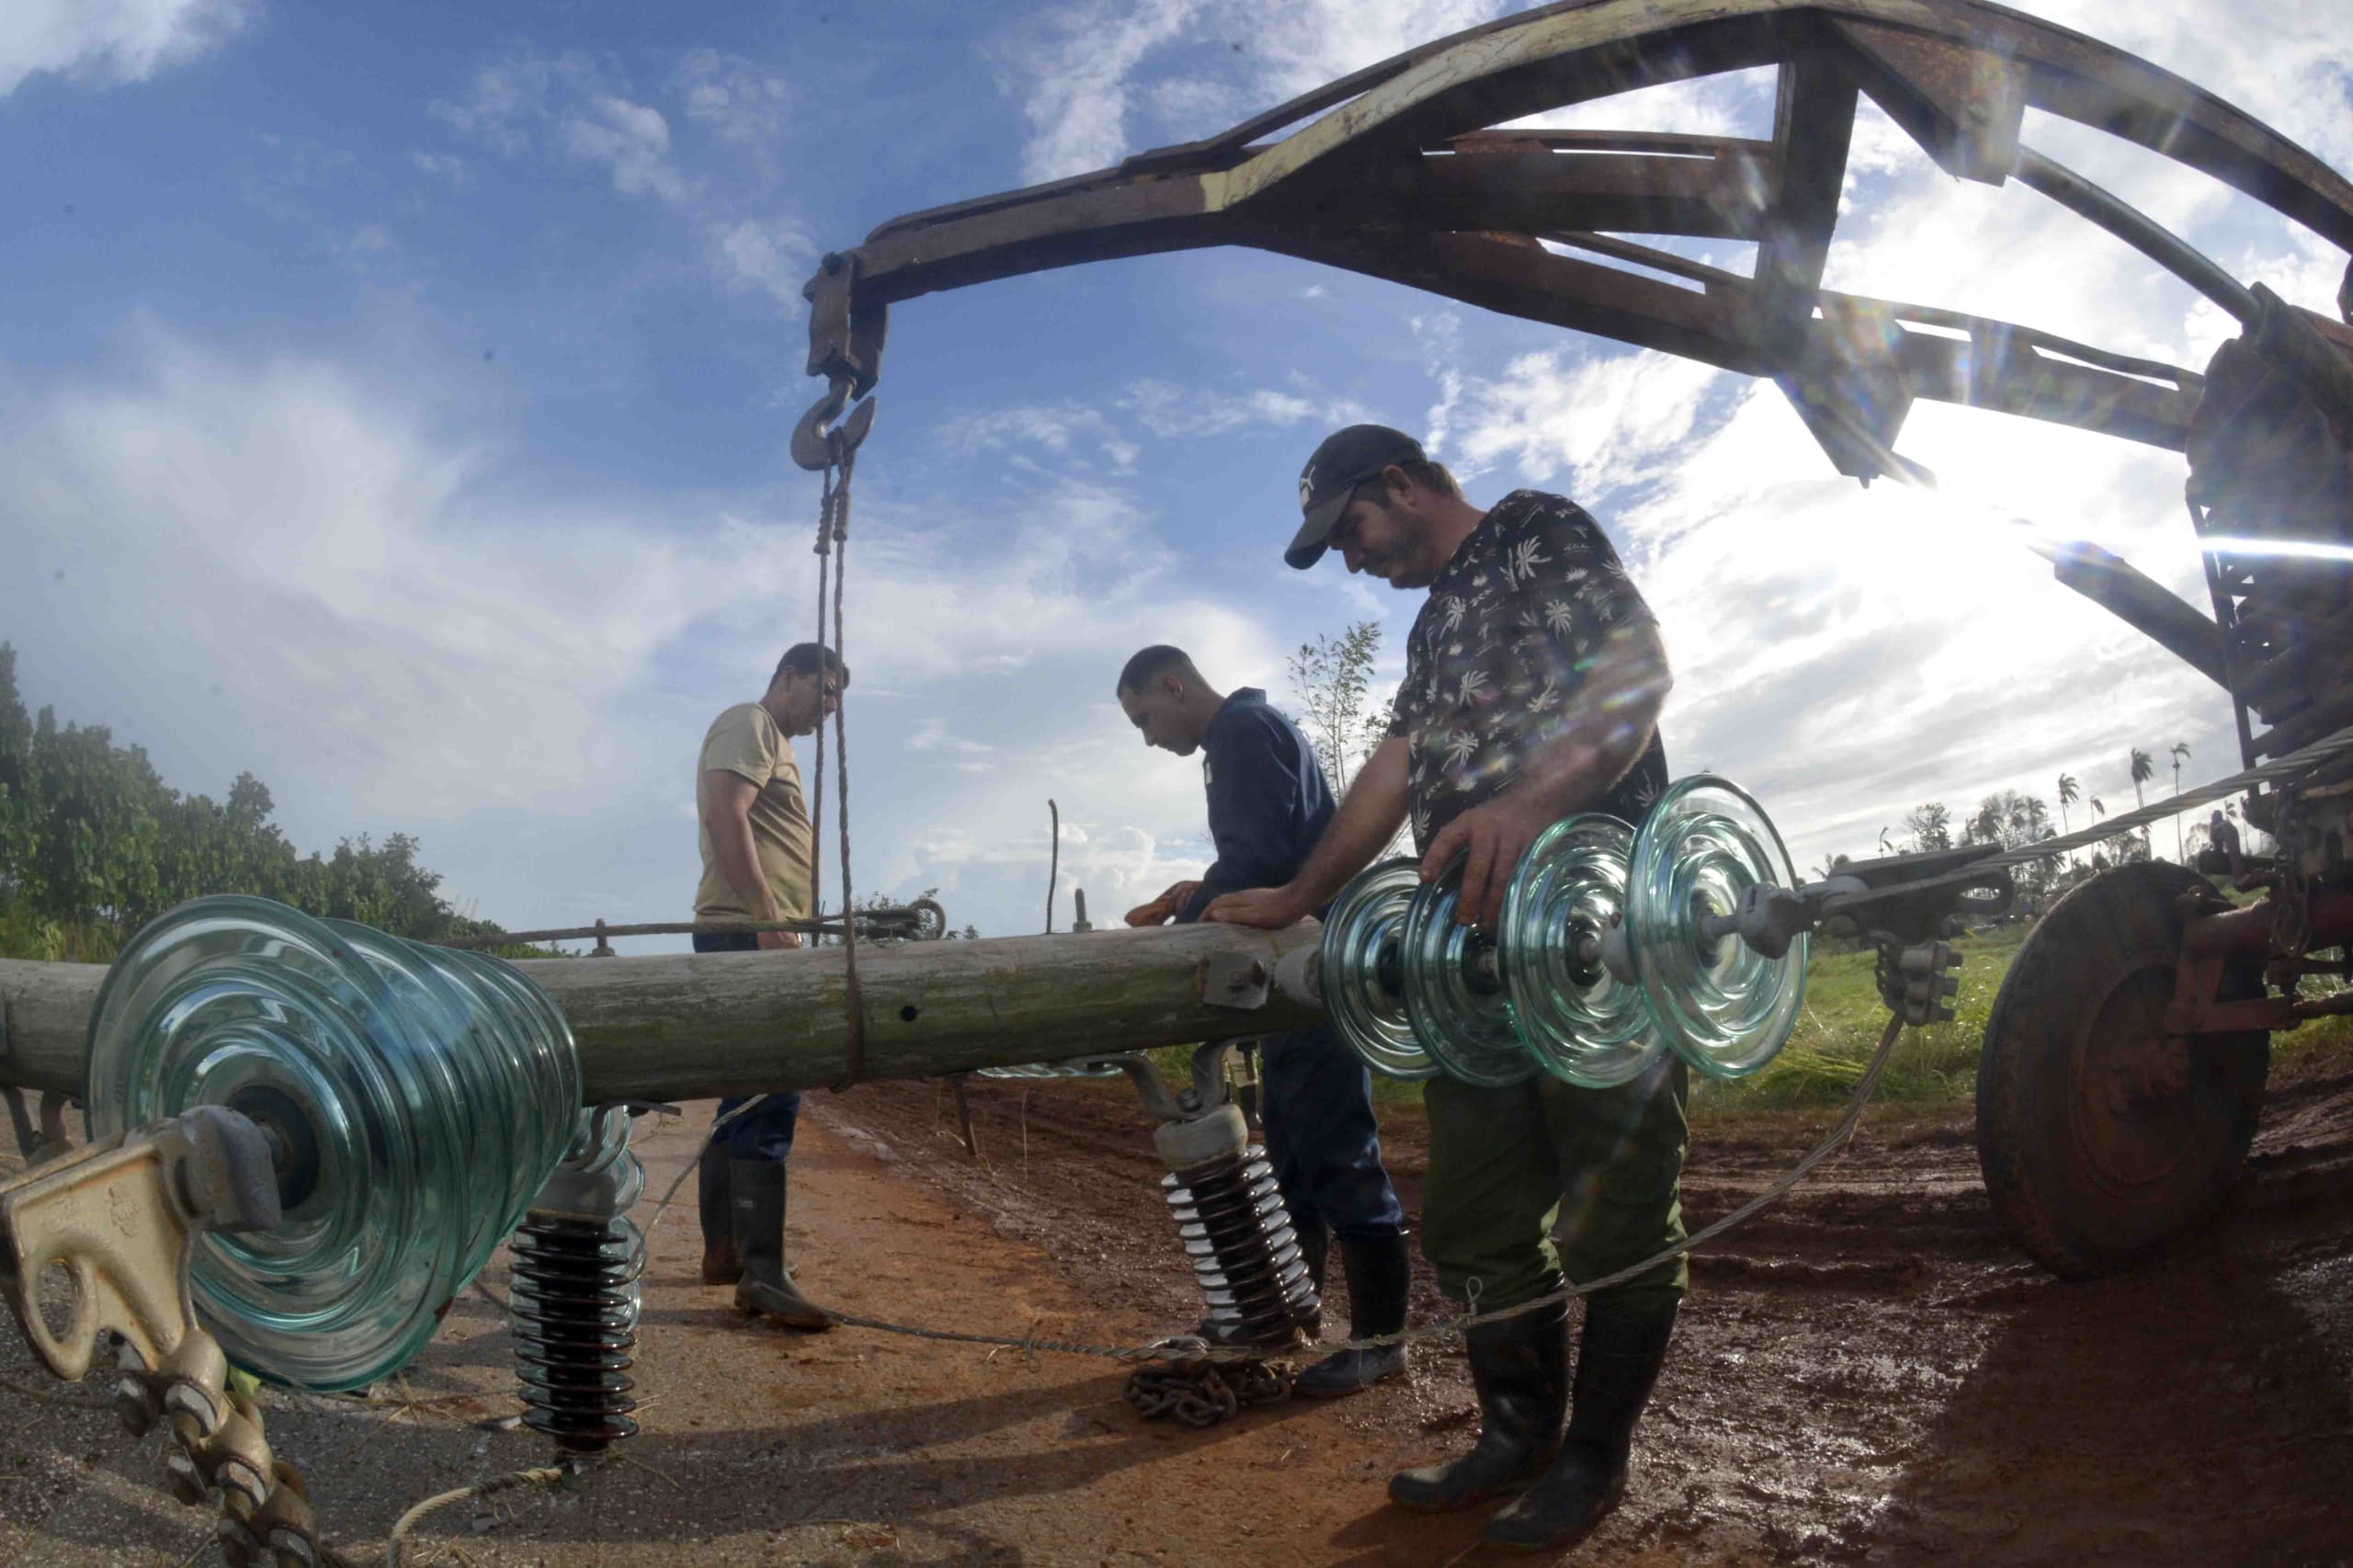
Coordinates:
[1269,803]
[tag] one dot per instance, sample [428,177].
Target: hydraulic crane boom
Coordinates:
[1412,170]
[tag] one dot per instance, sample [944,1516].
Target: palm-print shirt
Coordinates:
[1497,657]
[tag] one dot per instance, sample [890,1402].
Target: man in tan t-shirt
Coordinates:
[758,859]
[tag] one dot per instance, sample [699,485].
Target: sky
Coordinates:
[393,403]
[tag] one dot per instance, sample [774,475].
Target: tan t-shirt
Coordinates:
[745,741]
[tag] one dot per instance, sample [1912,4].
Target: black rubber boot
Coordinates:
[1315,1249]
[1381,1272]
[720,1266]
[1519,1366]
[1619,1357]
[767,1287]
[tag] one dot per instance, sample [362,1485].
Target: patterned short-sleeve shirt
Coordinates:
[1497,657]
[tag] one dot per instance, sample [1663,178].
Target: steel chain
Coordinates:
[1199,1393]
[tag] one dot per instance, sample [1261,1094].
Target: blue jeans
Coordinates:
[764,1132]
[1316,1102]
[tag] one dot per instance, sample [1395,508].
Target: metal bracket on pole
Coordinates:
[1236,981]
[121,1218]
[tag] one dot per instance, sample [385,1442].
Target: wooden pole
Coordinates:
[690,1026]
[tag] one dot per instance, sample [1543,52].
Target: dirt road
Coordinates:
[1866,1374]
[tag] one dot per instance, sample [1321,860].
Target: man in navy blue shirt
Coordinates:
[1268,804]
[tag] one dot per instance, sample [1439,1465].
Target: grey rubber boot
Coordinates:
[758,1188]
[1520,1368]
[1381,1272]
[1619,1357]
[720,1266]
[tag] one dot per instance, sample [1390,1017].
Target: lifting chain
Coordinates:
[1202,1393]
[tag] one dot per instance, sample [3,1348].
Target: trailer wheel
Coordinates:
[2095,1148]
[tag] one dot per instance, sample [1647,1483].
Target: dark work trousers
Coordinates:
[1316,1101]
[1542,1180]
[764,1132]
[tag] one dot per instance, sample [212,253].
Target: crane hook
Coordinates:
[817,441]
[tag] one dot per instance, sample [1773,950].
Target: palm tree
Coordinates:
[2068,796]
[2180,750]
[2143,769]
[1884,847]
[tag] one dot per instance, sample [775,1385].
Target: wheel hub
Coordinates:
[2132,1115]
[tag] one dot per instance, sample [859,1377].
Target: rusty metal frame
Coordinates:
[1399,171]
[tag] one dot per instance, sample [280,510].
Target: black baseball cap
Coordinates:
[1346,460]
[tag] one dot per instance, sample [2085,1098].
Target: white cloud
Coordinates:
[507,102]
[114,41]
[772,258]
[564,103]
[1606,423]
[1078,71]
[1059,429]
[1172,412]
[932,735]
[2286,64]
[284,567]
[444,167]
[632,139]
[367,243]
[1074,81]
[736,100]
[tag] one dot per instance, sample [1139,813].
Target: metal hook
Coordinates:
[817,442]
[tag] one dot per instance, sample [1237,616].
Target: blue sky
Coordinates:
[393,403]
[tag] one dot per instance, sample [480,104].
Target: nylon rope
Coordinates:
[853,996]
[823,549]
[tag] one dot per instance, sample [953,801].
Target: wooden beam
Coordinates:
[1515,274]
[1521,185]
[690,1026]
[1813,119]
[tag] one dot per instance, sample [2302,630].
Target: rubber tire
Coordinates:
[2104,960]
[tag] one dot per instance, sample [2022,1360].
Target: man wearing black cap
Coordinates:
[1534,678]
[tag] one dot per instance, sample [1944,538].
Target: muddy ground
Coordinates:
[1867,1373]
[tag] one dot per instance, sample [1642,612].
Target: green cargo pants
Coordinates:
[1508,1165]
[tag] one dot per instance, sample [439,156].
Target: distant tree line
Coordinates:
[2013,821]
[94,844]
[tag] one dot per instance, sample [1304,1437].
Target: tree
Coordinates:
[2180,750]
[1333,679]
[2142,771]
[1885,847]
[1831,866]
[94,845]
[2068,796]
[2013,822]
[1931,827]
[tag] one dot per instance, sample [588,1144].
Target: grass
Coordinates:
[1839,1027]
